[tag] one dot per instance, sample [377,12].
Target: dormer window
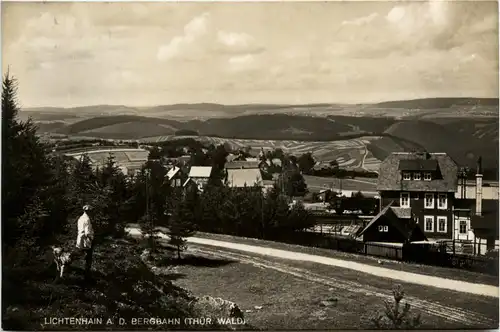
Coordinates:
[427,176]
[406,176]
[417,176]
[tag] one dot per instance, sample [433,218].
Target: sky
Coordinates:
[143,54]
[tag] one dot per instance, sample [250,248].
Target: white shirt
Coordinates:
[85,232]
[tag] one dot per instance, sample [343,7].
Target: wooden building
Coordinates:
[424,183]
[391,225]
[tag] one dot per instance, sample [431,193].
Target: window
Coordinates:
[384,229]
[429,224]
[442,223]
[442,202]
[429,201]
[406,176]
[416,176]
[427,176]
[463,227]
[404,200]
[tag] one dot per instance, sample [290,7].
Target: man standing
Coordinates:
[85,238]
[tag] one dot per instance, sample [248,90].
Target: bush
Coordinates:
[397,314]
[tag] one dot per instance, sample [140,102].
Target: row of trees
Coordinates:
[43,196]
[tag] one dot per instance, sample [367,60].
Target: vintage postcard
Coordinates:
[250,165]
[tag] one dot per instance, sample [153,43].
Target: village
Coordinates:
[418,198]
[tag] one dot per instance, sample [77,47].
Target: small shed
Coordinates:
[389,225]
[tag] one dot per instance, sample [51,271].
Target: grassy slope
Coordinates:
[291,292]
[125,288]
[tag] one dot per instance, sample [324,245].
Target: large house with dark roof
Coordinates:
[423,186]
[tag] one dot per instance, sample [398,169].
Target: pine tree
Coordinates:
[184,220]
[112,177]
[26,173]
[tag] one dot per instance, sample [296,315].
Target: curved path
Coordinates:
[463,317]
[425,280]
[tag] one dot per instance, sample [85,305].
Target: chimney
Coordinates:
[479,188]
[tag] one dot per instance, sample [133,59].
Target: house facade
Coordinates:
[424,184]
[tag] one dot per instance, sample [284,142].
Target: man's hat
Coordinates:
[87,207]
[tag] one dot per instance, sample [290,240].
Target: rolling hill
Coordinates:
[464,141]
[463,127]
[130,125]
[437,103]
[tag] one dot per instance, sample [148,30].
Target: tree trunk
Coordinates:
[179,252]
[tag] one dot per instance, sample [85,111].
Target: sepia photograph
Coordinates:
[250,165]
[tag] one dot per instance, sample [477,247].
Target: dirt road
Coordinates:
[425,280]
[342,288]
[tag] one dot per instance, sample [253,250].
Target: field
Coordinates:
[350,154]
[316,183]
[122,156]
[285,294]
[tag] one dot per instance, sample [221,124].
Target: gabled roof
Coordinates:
[418,165]
[406,226]
[390,177]
[240,178]
[242,164]
[171,173]
[200,171]
[401,213]
[377,217]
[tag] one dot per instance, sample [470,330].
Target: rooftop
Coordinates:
[200,171]
[390,177]
[242,164]
[240,178]
[171,173]
[429,165]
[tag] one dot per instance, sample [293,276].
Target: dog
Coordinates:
[62,258]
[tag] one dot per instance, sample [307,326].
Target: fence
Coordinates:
[391,251]
[426,254]
[443,255]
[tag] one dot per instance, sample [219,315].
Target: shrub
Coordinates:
[397,314]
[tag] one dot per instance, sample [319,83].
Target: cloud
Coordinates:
[396,14]
[234,39]
[236,43]
[193,30]
[333,51]
[242,62]
[361,20]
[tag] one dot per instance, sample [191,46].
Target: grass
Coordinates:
[287,302]
[350,281]
[436,271]
[283,299]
